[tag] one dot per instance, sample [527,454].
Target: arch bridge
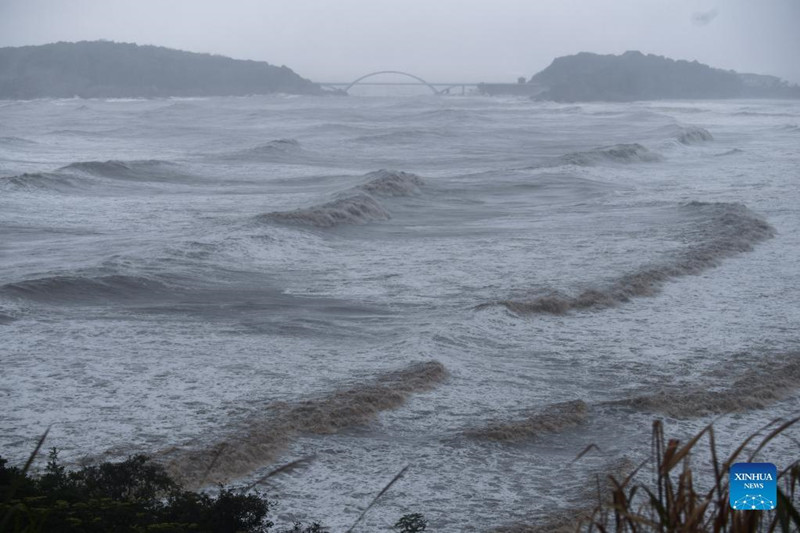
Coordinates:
[436,88]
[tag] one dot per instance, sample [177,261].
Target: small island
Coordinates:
[587,77]
[103,69]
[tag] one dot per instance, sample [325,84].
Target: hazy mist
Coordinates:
[446,40]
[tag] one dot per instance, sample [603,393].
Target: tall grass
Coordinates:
[672,501]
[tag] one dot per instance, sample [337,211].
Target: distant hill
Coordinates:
[107,69]
[635,76]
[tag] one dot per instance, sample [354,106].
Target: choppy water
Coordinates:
[476,287]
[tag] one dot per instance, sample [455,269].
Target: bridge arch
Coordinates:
[371,74]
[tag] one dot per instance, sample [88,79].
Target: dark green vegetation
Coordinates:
[138,495]
[102,69]
[411,523]
[135,495]
[635,76]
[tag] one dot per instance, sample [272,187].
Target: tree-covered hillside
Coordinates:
[108,69]
[635,76]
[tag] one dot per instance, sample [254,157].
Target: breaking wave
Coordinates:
[358,209]
[261,439]
[16,141]
[680,109]
[756,389]
[392,183]
[83,174]
[278,145]
[409,137]
[676,135]
[730,229]
[563,110]
[101,168]
[82,133]
[46,181]
[552,419]
[618,153]
[275,150]
[693,135]
[761,114]
[118,169]
[735,151]
[83,289]
[357,205]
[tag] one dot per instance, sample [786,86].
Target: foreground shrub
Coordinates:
[411,523]
[135,495]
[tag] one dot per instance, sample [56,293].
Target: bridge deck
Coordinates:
[525,89]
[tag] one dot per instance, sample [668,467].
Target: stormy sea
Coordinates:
[476,288]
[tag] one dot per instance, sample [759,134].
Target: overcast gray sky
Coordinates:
[440,40]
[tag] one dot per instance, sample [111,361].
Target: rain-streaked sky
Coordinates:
[440,40]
